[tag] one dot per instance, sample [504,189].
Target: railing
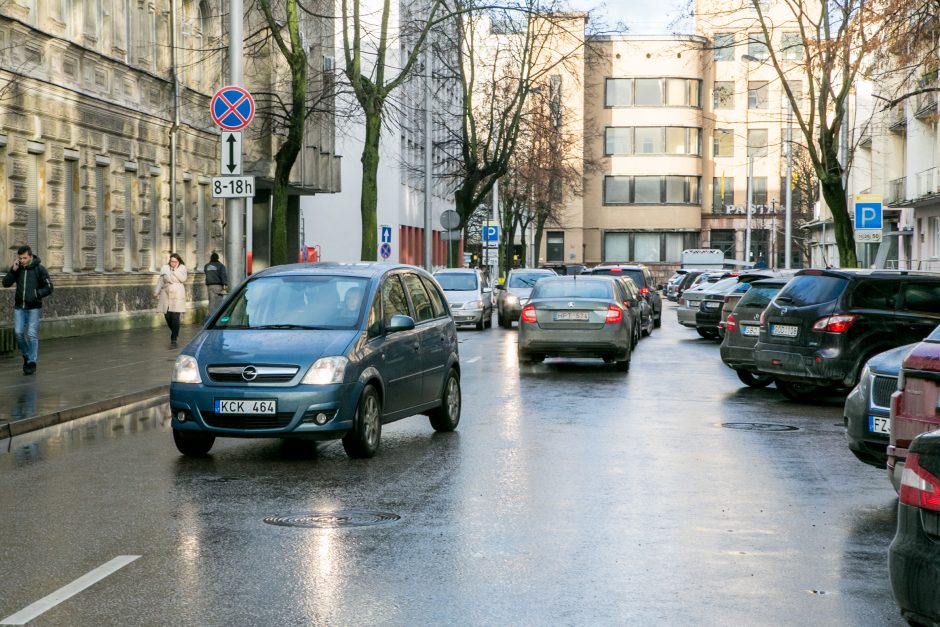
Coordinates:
[897,190]
[925,104]
[927,182]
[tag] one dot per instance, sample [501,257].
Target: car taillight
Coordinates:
[682,301]
[644,291]
[835,324]
[919,488]
[528,314]
[731,323]
[614,315]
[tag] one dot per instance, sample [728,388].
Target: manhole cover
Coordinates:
[759,426]
[333,520]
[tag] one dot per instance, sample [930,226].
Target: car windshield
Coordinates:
[457,281]
[934,335]
[573,289]
[296,302]
[759,295]
[811,289]
[525,280]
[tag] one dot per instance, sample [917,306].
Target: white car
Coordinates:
[469,298]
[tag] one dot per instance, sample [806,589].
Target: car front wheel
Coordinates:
[193,443]
[754,379]
[363,439]
[796,391]
[447,416]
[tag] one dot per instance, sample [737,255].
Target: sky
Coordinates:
[642,17]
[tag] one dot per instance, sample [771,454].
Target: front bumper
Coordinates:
[914,564]
[469,316]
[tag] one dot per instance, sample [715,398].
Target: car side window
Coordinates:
[419,297]
[374,323]
[923,297]
[437,301]
[875,295]
[393,299]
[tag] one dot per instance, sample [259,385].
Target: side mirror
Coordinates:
[400,323]
[487,290]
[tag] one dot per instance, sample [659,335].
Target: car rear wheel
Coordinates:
[754,379]
[650,325]
[623,365]
[193,443]
[658,320]
[796,391]
[363,439]
[447,416]
[530,358]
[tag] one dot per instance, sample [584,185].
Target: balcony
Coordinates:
[897,190]
[927,183]
[897,121]
[925,105]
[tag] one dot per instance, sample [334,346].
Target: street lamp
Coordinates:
[750,160]
[788,217]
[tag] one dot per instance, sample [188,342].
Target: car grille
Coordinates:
[228,421]
[881,390]
[264,374]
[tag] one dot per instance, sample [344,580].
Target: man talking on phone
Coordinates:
[32,285]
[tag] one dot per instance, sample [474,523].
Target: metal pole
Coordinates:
[428,146]
[235,207]
[750,194]
[174,130]
[495,215]
[788,222]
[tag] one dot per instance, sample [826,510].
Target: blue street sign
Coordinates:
[385,250]
[868,215]
[232,108]
[491,233]
[386,234]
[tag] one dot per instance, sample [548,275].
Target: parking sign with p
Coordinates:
[868,212]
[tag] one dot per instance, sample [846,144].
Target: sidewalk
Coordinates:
[80,376]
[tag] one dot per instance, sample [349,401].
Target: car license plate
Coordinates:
[712,304]
[750,329]
[879,424]
[571,315]
[245,406]
[784,330]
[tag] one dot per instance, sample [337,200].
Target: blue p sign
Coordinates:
[490,233]
[868,215]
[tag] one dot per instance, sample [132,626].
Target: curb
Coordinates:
[19,427]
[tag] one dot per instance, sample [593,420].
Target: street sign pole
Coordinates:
[235,250]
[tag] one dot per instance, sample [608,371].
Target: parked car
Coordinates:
[915,406]
[671,291]
[513,295]
[708,315]
[638,307]
[686,282]
[469,297]
[644,280]
[742,328]
[691,299]
[577,317]
[867,410]
[565,269]
[914,553]
[319,351]
[732,298]
[821,328]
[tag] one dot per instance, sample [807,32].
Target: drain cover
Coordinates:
[759,426]
[333,520]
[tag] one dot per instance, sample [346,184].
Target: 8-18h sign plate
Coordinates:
[233,186]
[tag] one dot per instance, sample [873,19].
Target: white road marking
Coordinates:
[68,591]
[473,360]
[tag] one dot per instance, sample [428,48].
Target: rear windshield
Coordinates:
[934,335]
[723,286]
[526,279]
[457,282]
[636,275]
[811,289]
[573,289]
[759,295]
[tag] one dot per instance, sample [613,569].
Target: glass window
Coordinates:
[695,141]
[616,189]
[757,45]
[757,142]
[676,141]
[792,45]
[618,92]
[649,92]
[722,193]
[647,189]
[555,246]
[759,296]
[724,142]
[724,46]
[811,289]
[724,95]
[419,297]
[646,246]
[677,92]
[437,301]
[527,279]
[573,288]
[374,323]
[393,299]
[758,95]
[676,190]
[760,190]
[649,140]
[923,297]
[675,244]
[457,281]
[695,190]
[875,295]
[695,93]
[616,246]
[797,88]
[618,141]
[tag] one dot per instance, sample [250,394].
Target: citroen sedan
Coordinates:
[319,351]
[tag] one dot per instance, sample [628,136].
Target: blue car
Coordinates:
[319,351]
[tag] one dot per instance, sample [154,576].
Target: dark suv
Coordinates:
[821,328]
[645,282]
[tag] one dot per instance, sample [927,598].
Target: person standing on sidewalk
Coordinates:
[32,285]
[216,280]
[171,294]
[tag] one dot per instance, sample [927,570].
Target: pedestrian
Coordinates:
[216,280]
[171,294]
[32,285]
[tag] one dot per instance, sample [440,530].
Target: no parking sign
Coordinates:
[232,108]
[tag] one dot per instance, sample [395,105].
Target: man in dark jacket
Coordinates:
[32,285]
[216,279]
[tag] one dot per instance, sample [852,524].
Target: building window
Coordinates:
[682,92]
[649,140]
[724,142]
[653,140]
[792,44]
[102,206]
[757,46]
[156,222]
[722,193]
[555,246]
[616,190]
[758,95]
[649,92]
[647,246]
[71,223]
[618,141]
[651,190]
[724,95]
[130,234]
[796,87]
[647,189]
[618,92]
[759,195]
[677,190]
[32,202]
[554,99]
[723,239]
[617,247]
[757,142]
[724,46]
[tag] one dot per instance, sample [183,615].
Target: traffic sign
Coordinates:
[490,233]
[232,108]
[869,212]
[233,186]
[386,234]
[231,164]
[385,250]
[868,236]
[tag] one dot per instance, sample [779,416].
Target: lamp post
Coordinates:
[750,160]
[788,219]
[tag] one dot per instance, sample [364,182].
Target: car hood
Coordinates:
[269,346]
[889,362]
[460,296]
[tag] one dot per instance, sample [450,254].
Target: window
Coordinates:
[130,236]
[677,192]
[935,231]
[374,324]
[102,240]
[555,246]
[757,142]
[677,92]
[724,240]
[32,202]
[71,221]
[646,247]
[722,193]
[797,88]
[156,221]
[758,95]
[923,297]
[677,141]
[875,295]
[618,141]
[437,301]
[617,246]
[649,140]
[724,46]
[393,299]
[724,95]
[724,142]
[792,45]
[554,99]
[647,189]
[759,196]
[618,92]
[649,92]
[757,46]
[651,190]
[616,190]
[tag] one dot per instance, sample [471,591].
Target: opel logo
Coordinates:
[250,373]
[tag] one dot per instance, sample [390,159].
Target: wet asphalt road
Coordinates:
[570,494]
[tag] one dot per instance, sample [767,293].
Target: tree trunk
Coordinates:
[368,204]
[537,238]
[834,193]
[284,162]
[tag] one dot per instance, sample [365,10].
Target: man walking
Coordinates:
[216,279]
[32,285]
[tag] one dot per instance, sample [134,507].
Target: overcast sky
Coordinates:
[641,16]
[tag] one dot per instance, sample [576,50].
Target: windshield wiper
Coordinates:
[289,326]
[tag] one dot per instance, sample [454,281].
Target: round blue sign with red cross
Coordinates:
[232,108]
[385,250]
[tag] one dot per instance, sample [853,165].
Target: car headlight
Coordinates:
[326,370]
[511,300]
[474,304]
[186,370]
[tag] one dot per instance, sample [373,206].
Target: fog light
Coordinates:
[181,416]
[321,419]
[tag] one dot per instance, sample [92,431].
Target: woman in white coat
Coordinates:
[171,294]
